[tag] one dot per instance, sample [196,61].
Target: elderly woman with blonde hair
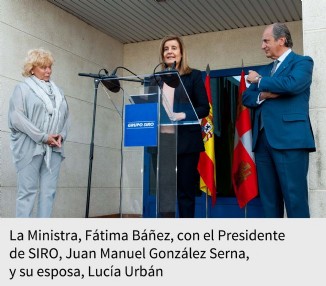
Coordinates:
[38,119]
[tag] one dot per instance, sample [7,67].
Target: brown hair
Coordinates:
[184,67]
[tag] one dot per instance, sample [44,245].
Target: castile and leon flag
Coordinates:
[244,174]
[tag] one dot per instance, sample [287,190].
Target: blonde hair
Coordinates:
[36,58]
[184,67]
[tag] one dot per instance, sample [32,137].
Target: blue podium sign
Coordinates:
[140,125]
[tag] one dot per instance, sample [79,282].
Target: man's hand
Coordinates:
[268,95]
[253,77]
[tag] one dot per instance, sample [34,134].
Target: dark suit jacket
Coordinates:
[189,136]
[286,118]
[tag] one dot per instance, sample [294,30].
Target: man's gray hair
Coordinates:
[281,30]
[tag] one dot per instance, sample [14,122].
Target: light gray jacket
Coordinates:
[26,117]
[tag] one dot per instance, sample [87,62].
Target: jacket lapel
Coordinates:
[284,64]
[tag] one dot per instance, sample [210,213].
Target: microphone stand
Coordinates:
[97,79]
[91,147]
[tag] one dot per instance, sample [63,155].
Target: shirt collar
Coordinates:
[284,55]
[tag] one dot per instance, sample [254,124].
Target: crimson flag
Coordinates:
[244,174]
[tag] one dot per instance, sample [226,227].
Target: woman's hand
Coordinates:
[54,140]
[177,116]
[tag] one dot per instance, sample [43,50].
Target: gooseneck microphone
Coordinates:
[170,75]
[93,75]
[112,81]
[170,68]
[109,81]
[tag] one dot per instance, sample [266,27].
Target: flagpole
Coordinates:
[246,209]
[207,73]
[243,159]
[206,164]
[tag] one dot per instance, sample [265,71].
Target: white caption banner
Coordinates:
[161,251]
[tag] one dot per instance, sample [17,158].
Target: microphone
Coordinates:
[111,82]
[93,75]
[172,68]
[170,75]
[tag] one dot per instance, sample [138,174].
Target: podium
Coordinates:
[155,106]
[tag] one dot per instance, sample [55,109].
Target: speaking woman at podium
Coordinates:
[190,143]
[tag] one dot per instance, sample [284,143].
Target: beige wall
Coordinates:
[221,50]
[314,36]
[77,47]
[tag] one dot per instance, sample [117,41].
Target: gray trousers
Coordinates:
[35,179]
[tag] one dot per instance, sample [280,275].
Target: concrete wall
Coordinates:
[221,50]
[76,47]
[314,42]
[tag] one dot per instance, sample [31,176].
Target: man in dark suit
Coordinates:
[282,134]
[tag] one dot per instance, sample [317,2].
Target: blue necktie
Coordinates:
[274,67]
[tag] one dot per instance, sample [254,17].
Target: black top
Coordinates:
[189,136]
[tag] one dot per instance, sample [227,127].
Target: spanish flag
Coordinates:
[206,165]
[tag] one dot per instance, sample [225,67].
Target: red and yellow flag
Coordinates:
[244,175]
[206,165]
